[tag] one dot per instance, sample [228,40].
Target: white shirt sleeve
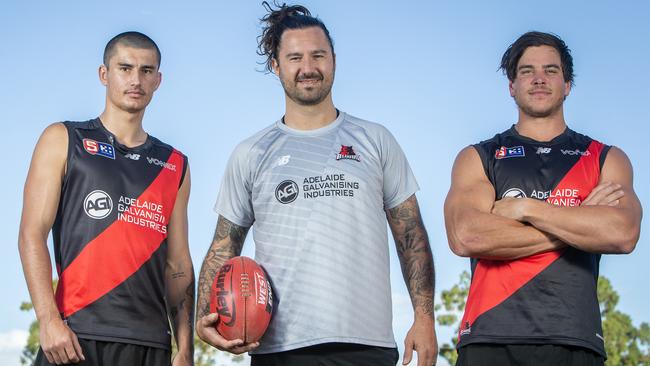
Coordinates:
[399,181]
[234,201]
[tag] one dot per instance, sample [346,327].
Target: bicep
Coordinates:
[44,180]
[229,237]
[618,169]
[470,188]
[177,237]
[404,216]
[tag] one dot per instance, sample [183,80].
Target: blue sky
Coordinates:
[425,69]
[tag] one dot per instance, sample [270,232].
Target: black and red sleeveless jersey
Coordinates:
[547,298]
[110,235]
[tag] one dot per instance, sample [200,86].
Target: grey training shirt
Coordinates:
[316,200]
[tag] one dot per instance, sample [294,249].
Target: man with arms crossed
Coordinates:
[534,208]
[116,201]
[319,185]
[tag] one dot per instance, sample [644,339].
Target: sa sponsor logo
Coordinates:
[132,156]
[514,193]
[509,152]
[104,149]
[575,152]
[286,191]
[347,152]
[543,150]
[98,204]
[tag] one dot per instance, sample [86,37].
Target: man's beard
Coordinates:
[308,97]
[530,111]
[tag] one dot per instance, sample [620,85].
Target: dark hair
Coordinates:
[512,55]
[280,19]
[130,39]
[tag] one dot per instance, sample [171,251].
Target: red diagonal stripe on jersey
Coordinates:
[495,281]
[119,251]
[584,175]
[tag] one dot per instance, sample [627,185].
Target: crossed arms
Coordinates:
[607,221]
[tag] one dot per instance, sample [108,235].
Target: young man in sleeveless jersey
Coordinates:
[534,207]
[318,185]
[115,199]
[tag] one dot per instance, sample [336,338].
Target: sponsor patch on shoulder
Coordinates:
[104,149]
[510,152]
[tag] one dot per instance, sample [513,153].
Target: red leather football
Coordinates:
[241,294]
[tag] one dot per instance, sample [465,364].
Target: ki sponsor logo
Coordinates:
[98,204]
[514,193]
[575,152]
[286,192]
[132,156]
[543,150]
[509,152]
[347,152]
[93,147]
[161,163]
[284,160]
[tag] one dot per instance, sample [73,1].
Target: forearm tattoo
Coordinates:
[414,253]
[185,305]
[227,243]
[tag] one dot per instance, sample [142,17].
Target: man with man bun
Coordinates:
[318,186]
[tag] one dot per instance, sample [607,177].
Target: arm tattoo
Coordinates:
[185,305]
[178,275]
[189,296]
[227,243]
[414,253]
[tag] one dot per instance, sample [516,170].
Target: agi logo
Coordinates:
[93,147]
[98,204]
[514,193]
[286,192]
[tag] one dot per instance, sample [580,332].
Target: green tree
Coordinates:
[453,303]
[28,355]
[626,345]
[206,355]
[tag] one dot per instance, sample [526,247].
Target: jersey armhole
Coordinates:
[180,183]
[603,156]
[485,160]
[70,154]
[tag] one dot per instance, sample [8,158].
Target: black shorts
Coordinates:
[99,353]
[330,354]
[527,355]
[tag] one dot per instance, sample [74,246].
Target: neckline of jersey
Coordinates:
[144,146]
[316,132]
[554,141]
